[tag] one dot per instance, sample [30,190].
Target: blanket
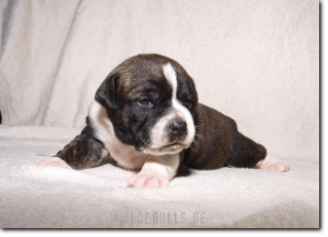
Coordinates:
[255,61]
[49,197]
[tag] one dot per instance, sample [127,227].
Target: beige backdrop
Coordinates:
[255,61]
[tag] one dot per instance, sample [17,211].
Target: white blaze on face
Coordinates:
[159,136]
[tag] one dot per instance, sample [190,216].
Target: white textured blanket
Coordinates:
[255,61]
[32,196]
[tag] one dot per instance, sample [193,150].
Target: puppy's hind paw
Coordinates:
[54,161]
[271,163]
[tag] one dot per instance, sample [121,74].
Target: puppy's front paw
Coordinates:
[148,180]
[54,161]
[275,164]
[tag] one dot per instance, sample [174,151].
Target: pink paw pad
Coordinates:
[54,161]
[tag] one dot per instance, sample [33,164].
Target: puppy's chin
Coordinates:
[165,150]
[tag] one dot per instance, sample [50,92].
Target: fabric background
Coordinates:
[255,61]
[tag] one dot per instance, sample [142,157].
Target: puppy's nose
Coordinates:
[178,127]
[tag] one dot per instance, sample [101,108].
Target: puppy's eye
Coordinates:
[145,103]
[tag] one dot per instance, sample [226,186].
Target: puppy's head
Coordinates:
[150,100]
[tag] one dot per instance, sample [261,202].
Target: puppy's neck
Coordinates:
[125,155]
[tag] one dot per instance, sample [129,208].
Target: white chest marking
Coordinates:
[126,155]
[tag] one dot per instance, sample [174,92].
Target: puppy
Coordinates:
[146,117]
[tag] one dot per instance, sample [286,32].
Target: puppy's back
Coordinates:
[218,143]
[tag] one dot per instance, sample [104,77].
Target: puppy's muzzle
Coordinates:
[177,129]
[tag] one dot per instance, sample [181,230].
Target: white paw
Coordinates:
[275,164]
[148,180]
[54,161]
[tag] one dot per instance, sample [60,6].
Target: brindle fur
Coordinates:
[85,151]
[217,143]
[229,146]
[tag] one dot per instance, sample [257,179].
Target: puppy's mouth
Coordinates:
[171,148]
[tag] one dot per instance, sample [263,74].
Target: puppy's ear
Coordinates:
[193,83]
[106,94]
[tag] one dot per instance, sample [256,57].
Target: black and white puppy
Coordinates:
[146,117]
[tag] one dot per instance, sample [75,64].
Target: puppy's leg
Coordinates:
[82,153]
[248,154]
[245,153]
[156,172]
